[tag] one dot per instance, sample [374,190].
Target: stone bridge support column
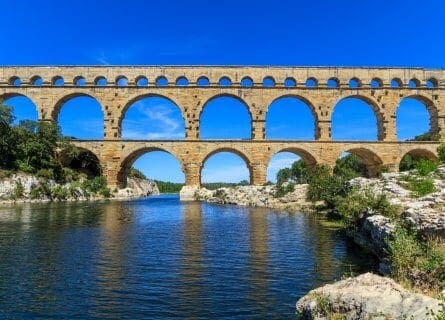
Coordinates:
[323,130]
[192,128]
[192,171]
[258,172]
[258,129]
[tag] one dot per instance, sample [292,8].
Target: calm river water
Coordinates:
[160,258]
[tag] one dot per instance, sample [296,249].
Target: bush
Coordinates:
[441,152]
[284,189]
[60,193]
[18,191]
[136,173]
[35,192]
[421,186]
[45,174]
[425,166]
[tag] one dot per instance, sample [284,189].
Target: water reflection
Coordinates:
[160,258]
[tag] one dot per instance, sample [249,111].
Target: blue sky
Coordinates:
[301,33]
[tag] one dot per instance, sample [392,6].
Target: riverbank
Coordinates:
[417,202]
[26,188]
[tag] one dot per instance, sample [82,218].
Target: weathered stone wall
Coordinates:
[43,85]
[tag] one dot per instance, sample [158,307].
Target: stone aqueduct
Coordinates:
[191,87]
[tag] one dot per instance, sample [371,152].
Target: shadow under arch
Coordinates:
[87,162]
[129,160]
[374,107]
[226,95]
[140,97]
[10,95]
[419,153]
[237,152]
[369,158]
[432,111]
[299,98]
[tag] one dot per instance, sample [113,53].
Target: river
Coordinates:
[161,258]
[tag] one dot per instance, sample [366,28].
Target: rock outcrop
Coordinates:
[137,188]
[367,296]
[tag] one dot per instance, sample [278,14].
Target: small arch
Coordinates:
[354,83]
[57,81]
[15,81]
[311,82]
[182,81]
[203,81]
[409,159]
[37,81]
[414,83]
[246,82]
[369,158]
[268,82]
[396,83]
[230,169]
[161,81]
[121,81]
[333,83]
[290,82]
[79,81]
[152,169]
[376,83]
[141,81]
[225,82]
[432,83]
[100,81]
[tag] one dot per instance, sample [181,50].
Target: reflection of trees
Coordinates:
[259,260]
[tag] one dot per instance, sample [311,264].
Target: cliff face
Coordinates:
[137,188]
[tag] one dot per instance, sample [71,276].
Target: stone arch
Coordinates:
[307,157]
[306,102]
[144,96]
[370,159]
[61,101]
[85,149]
[421,153]
[375,108]
[235,151]
[9,95]
[432,110]
[57,81]
[131,157]
[227,95]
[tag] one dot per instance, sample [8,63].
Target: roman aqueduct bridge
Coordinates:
[191,87]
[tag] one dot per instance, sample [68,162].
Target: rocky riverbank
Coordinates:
[20,187]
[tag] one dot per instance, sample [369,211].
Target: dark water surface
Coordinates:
[160,258]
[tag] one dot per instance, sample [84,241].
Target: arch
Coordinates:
[225,82]
[121,81]
[182,81]
[432,115]
[161,81]
[369,158]
[284,161]
[432,83]
[100,81]
[376,83]
[80,124]
[203,81]
[396,83]
[234,151]
[29,110]
[414,83]
[15,81]
[79,81]
[355,83]
[311,82]
[210,131]
[292,122]
[36,81]
[351,134]
[161,123]
[268,81]
[290,82]
[82,162]
[133,156]
[409,159]
[246,82]
[57,81]
[141,81]
[305,155]
[333,83]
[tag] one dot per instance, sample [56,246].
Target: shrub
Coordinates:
[45,174]
[60,193]
[35,192]
[425,166]
[136,173]
[94,185]
[18,190]
[421,186]
[284,189]
[441,152]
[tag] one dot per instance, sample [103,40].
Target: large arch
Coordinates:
[87,162]
[350,133]
[131,158]
[213,124]
[285,158]
[288,122]
[425,119]
[23,107]
[232,151]
[370,159]
[164,119]
[80,115]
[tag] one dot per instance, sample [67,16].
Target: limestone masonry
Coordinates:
[191,87]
